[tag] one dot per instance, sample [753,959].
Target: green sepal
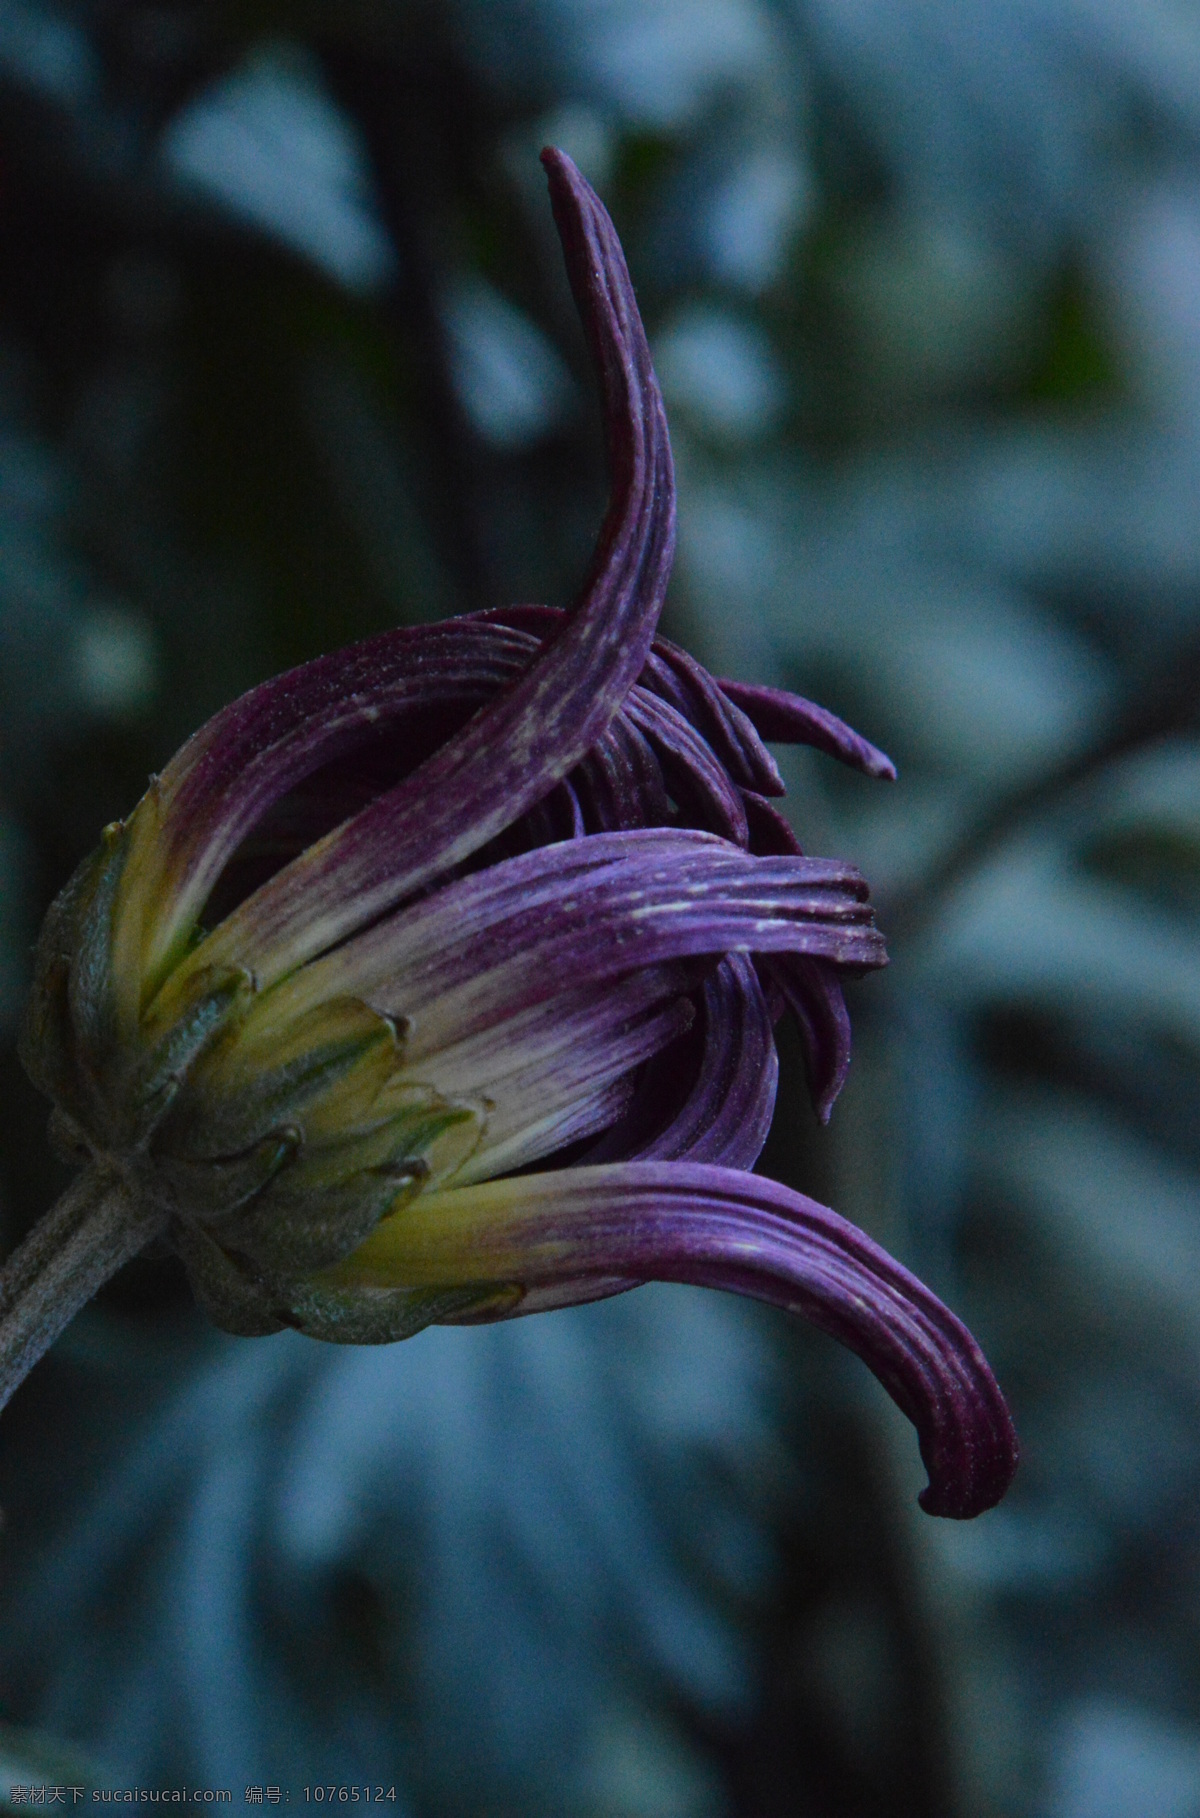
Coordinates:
[289,1229]
[382,1316]
[240,1090]
[68,1028]
[233,1298]
[91,987]
[333,1195]
[216,997]
[116,1083]
[219,1187]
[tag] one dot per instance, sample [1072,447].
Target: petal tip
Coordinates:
[562,172]
[961,1488]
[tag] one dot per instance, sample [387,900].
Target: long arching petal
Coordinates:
[718,1228]
[510,755]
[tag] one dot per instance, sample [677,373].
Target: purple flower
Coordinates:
[435,981]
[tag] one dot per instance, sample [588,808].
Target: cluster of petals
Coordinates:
[437,980]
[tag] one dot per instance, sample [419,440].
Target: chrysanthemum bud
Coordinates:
[505,892]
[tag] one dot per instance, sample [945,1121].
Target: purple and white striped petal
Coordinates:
[699,783]
[534,1069]
[673,676]
[674,673]
[788,719]
[512,752]
[718,1228]
[812,991]
[229,775]
[726,1114]
[541,1104]
[619,784]
[809,987]
[581,912]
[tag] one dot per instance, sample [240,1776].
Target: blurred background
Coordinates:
[286,357]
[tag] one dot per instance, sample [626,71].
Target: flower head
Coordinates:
[436,980]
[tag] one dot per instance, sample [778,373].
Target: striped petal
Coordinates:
[619,785]
[812,991]
[582,912]
[673,676]
[676,675]
[223,782]
[718,1228]
[512,752]
[788,719]
[537,1068]
[809,987]
[700,784]
[726,1110]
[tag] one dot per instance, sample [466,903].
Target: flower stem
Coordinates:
[95,1227]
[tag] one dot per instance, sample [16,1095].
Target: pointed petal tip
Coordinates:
[790,719]
[568,185]
[559,167]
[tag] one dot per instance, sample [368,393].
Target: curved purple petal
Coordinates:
[558,816]
[546,1072]
[726,1116]
[700,784]
[538,621]
[243,761]
[265,742]
[720,1228]
[490,943]
[568,797]
[674,673]
[812,992]
[674,676]
[619,784]
[514,750]
[771,833]
[808,987]
[788,719]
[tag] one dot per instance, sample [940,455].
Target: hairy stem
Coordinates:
[96,1226]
